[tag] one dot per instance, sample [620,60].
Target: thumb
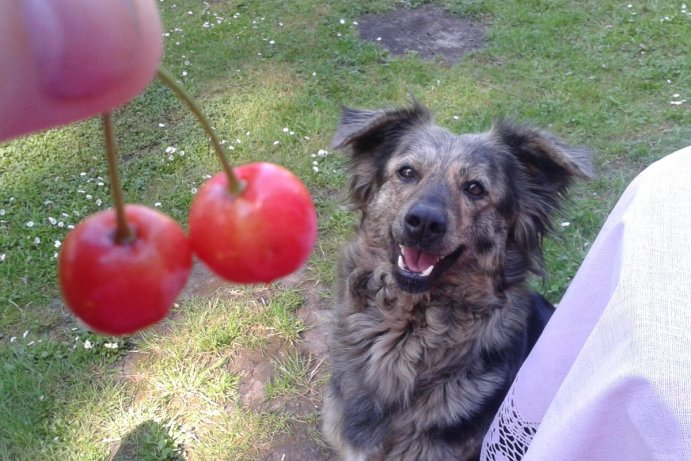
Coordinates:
[66,60]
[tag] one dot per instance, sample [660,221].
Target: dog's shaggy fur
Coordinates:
[433,317]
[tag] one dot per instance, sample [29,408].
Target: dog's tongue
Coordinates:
[417,260]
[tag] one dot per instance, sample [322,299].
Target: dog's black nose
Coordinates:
[425,222]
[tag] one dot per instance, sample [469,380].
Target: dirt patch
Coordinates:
[203,282]
[429,31]
[257,368]
[305,442]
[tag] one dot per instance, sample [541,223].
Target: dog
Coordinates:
[432,314]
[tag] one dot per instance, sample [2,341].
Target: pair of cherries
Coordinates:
[121,269]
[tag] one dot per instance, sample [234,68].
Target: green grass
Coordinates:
[599,73]
[292,376]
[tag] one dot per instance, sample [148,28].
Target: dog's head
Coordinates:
[444,204]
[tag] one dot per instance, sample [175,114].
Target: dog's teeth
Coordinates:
[427,271]
[401,263]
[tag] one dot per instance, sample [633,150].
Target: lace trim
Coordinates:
[510,435]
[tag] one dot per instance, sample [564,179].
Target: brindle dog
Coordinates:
[433,316]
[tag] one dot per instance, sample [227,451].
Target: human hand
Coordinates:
[65,60]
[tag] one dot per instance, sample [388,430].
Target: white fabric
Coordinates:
[610,378]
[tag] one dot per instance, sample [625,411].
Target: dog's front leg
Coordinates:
[366,426]
[352,425]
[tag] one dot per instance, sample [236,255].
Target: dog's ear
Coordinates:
[371,137]
[549,167]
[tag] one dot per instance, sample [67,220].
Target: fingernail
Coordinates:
[81,47]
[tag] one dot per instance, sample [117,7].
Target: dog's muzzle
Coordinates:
[417,262]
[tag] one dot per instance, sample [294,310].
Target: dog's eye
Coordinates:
[407,172]
[475,189]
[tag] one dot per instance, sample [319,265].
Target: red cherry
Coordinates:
[119,288]
[264,233]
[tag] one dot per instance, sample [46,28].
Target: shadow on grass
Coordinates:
[149,441]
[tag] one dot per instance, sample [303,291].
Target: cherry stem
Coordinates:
[235,186]
[123,233]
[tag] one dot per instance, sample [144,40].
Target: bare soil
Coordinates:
[429,31]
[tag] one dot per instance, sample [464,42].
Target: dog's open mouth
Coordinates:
[416,261]
[416,267]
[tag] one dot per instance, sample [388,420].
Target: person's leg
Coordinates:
[610,378]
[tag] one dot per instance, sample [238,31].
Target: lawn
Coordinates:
[272,76]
